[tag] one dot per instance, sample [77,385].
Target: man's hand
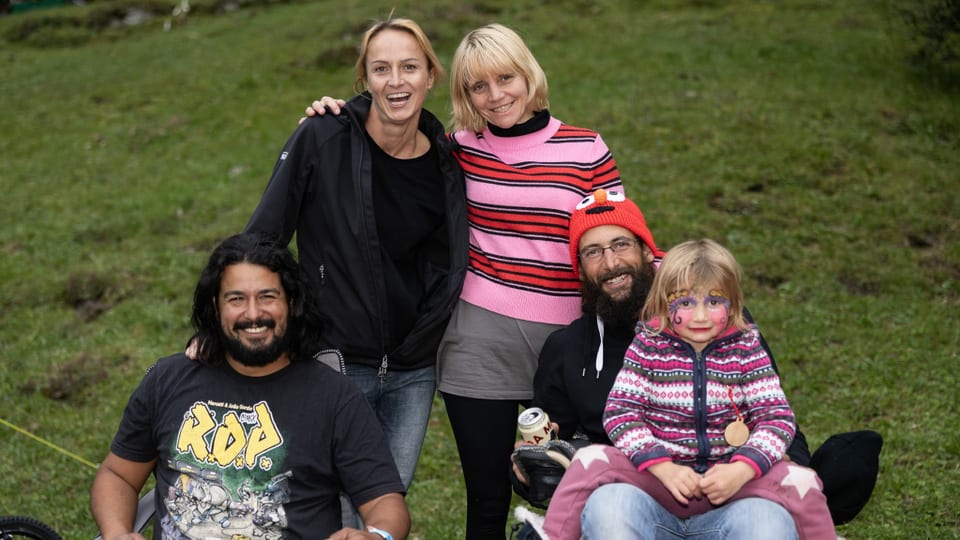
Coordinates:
[681,481]
[317,108]
[724,480]
[518,444]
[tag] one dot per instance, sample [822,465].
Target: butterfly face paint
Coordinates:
[698,318]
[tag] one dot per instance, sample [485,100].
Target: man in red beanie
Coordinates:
[615,255]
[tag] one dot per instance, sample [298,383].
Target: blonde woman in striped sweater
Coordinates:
[525,172]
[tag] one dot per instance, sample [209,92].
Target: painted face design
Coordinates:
[698,318]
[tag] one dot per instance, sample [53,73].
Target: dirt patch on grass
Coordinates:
[90,294]
[71,379]
[77,25]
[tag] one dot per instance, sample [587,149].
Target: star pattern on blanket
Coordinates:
[800,478]
[594,452]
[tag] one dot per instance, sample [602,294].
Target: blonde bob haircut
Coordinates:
[695,265]
[402,25]
[493,49]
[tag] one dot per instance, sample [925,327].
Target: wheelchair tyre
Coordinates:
[19,527]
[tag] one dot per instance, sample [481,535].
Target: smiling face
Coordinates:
[613,272]
[253,312]
[495,80]
[398,77]
[699,316]
[501,99]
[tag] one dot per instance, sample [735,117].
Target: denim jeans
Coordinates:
[625,512]
[402,402]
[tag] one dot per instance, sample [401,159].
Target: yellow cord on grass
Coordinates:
[48,443]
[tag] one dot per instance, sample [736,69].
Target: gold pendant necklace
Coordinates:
[736,433]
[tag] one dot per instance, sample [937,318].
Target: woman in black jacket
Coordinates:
[377,204]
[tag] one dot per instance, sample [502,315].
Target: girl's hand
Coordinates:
[724,480]
[681,481]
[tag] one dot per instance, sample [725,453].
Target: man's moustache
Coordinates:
[243,325]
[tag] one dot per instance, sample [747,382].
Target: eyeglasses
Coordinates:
[595,253]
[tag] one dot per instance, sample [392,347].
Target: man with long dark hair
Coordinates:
[256,439]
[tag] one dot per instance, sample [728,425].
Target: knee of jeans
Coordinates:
[766,518]
[606,502]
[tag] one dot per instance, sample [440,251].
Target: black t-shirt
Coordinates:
[254,457]
[409,205]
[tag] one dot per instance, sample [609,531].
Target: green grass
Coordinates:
[794,132]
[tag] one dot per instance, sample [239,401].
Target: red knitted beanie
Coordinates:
[607,208]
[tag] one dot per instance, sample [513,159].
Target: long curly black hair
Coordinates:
[304,321]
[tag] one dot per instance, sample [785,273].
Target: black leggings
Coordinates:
[485,431]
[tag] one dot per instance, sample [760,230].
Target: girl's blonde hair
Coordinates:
[402,25]
[693,265]
[493,49]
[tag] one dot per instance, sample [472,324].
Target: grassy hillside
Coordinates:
[794,132]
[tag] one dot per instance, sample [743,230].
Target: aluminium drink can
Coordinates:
[534,426]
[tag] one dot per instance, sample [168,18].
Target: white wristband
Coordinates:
[381,532]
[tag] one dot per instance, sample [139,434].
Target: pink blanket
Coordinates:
[794,487]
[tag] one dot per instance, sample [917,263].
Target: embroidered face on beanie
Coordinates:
[607,208]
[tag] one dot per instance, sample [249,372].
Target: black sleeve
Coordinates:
[549,390]
[278,212]
[798,451]
[135,437]
[763,342]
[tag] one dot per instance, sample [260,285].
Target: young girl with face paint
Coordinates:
[697,403]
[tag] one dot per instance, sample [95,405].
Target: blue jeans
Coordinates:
[402,402]
[625,512]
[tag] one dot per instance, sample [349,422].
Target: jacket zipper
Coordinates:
[382,372]
[700,415]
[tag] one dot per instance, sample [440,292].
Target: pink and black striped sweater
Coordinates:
[520,193]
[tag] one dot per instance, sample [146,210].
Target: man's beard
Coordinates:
[258,356]
[618,314]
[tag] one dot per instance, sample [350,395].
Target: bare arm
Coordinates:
[387,512]
[114,496]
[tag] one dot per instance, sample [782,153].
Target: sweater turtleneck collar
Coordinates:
[539,121]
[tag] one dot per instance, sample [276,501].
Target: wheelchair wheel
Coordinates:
[19,527]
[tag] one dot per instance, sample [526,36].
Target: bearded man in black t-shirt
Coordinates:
[255,439]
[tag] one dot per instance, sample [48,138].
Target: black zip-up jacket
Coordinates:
[321,188]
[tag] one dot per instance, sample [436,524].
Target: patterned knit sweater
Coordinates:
[520,193]
[671,403]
